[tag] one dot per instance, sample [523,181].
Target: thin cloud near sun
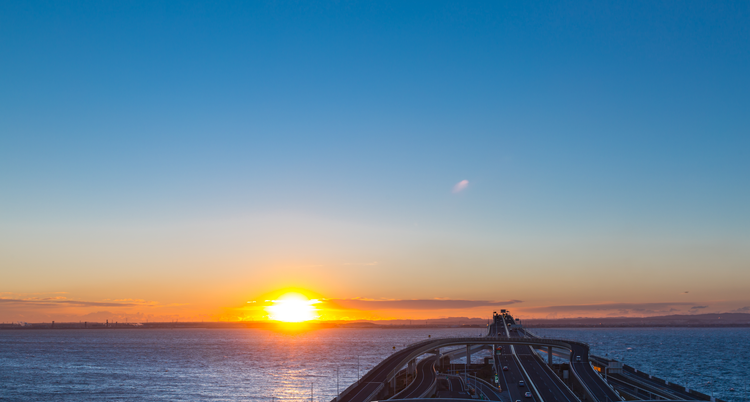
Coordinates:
[417,304]
[460,186]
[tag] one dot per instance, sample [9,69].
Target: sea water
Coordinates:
[264,365]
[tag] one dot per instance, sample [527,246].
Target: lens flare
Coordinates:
[293,307]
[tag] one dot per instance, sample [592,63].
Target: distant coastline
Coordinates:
[729,320]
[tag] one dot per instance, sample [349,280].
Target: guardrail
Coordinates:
[528,378]
[604,381]
[586,388]
[375,393]
[486,383]
[540,360]
[438,343]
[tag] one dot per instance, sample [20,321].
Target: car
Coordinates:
[505,368]
[578,358]
[521,383]
[518,400]
[528,394]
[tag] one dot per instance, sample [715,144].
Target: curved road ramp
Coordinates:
[379,382]
[424,381]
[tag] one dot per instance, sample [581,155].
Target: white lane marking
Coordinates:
[539,364]
[528,378]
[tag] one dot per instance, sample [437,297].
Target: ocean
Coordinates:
[265,365]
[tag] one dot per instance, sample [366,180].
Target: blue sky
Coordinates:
[578,125]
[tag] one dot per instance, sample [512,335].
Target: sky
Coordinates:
[177,160]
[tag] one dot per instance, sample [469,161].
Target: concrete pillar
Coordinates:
[411,370]
[549,355]
[468,361]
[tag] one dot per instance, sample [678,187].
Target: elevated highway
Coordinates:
[517,362]
[547,383]
[380,378]
[541,381]
[596,387]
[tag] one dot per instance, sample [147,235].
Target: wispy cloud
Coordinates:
[460,186]
[361,263]
[63,302]
[623,308]
[53,306]
[422,304]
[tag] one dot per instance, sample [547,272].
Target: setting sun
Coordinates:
[292,307]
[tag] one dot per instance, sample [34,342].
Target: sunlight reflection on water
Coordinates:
[191,364]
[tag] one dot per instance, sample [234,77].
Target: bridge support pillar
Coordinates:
[549,355]
[468,361]
[411,370]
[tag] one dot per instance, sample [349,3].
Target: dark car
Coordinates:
[505,368]
[521,384]
[528,394]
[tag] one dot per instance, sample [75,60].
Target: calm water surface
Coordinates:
[258,365]
[193,364]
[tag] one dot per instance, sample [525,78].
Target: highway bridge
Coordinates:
[521,374]
[423,380]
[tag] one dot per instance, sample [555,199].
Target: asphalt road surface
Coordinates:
[422,381]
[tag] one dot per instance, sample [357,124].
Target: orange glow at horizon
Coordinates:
[293,307]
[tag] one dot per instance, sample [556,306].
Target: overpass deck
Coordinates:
[387,369]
